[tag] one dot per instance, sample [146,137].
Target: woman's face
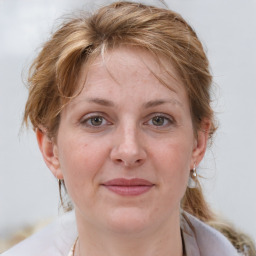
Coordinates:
[125,144]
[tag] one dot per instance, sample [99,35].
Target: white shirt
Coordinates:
[58,238]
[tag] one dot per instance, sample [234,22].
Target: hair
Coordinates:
[54,73]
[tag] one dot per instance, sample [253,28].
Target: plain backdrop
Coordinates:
[29,192]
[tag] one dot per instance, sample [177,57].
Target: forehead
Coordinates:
[129,82]
[129,65]
[129,73]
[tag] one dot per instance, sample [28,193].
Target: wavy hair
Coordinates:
[163,33]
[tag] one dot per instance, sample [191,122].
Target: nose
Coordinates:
[128,150]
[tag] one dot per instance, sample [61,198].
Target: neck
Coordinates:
[161,241]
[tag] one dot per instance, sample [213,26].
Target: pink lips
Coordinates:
[128,187]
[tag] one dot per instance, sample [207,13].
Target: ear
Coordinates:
[200,143]
[49,152]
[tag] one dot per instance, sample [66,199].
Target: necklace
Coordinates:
[72,251]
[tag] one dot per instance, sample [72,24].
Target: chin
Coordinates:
[128,221]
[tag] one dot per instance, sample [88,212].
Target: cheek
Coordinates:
[80,162]
[174,159]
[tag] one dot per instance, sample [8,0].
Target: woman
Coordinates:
[120,104]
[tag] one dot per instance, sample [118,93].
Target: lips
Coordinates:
[128,187]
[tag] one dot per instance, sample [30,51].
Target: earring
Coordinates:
[192,180]
[194,174]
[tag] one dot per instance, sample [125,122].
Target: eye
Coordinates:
[160,121]
[94,121]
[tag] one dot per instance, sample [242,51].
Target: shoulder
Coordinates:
[209,241]
[55,239]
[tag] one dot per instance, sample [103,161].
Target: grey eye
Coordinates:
[96,121]
[158,120]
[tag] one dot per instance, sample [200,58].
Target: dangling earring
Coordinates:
[59,182]
[192,180]
[194,174]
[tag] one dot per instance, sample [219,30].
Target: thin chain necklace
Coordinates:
[72,251]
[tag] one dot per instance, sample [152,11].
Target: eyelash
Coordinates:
[86,119]
[168,121]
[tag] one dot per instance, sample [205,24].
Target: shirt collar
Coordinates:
[189,236]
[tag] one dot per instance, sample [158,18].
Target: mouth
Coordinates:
[128,187]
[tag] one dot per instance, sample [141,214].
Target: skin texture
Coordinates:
[126,124]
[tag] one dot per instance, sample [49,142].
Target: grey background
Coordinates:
[29,193]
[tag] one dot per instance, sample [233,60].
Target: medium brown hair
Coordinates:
[162,32]
[53,75]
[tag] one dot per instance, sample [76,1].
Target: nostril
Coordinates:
[129,163]
[128,156]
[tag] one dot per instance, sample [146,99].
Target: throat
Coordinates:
[175,247]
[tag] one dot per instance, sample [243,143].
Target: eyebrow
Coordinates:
[149,104]
[101,101]
[155,103]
